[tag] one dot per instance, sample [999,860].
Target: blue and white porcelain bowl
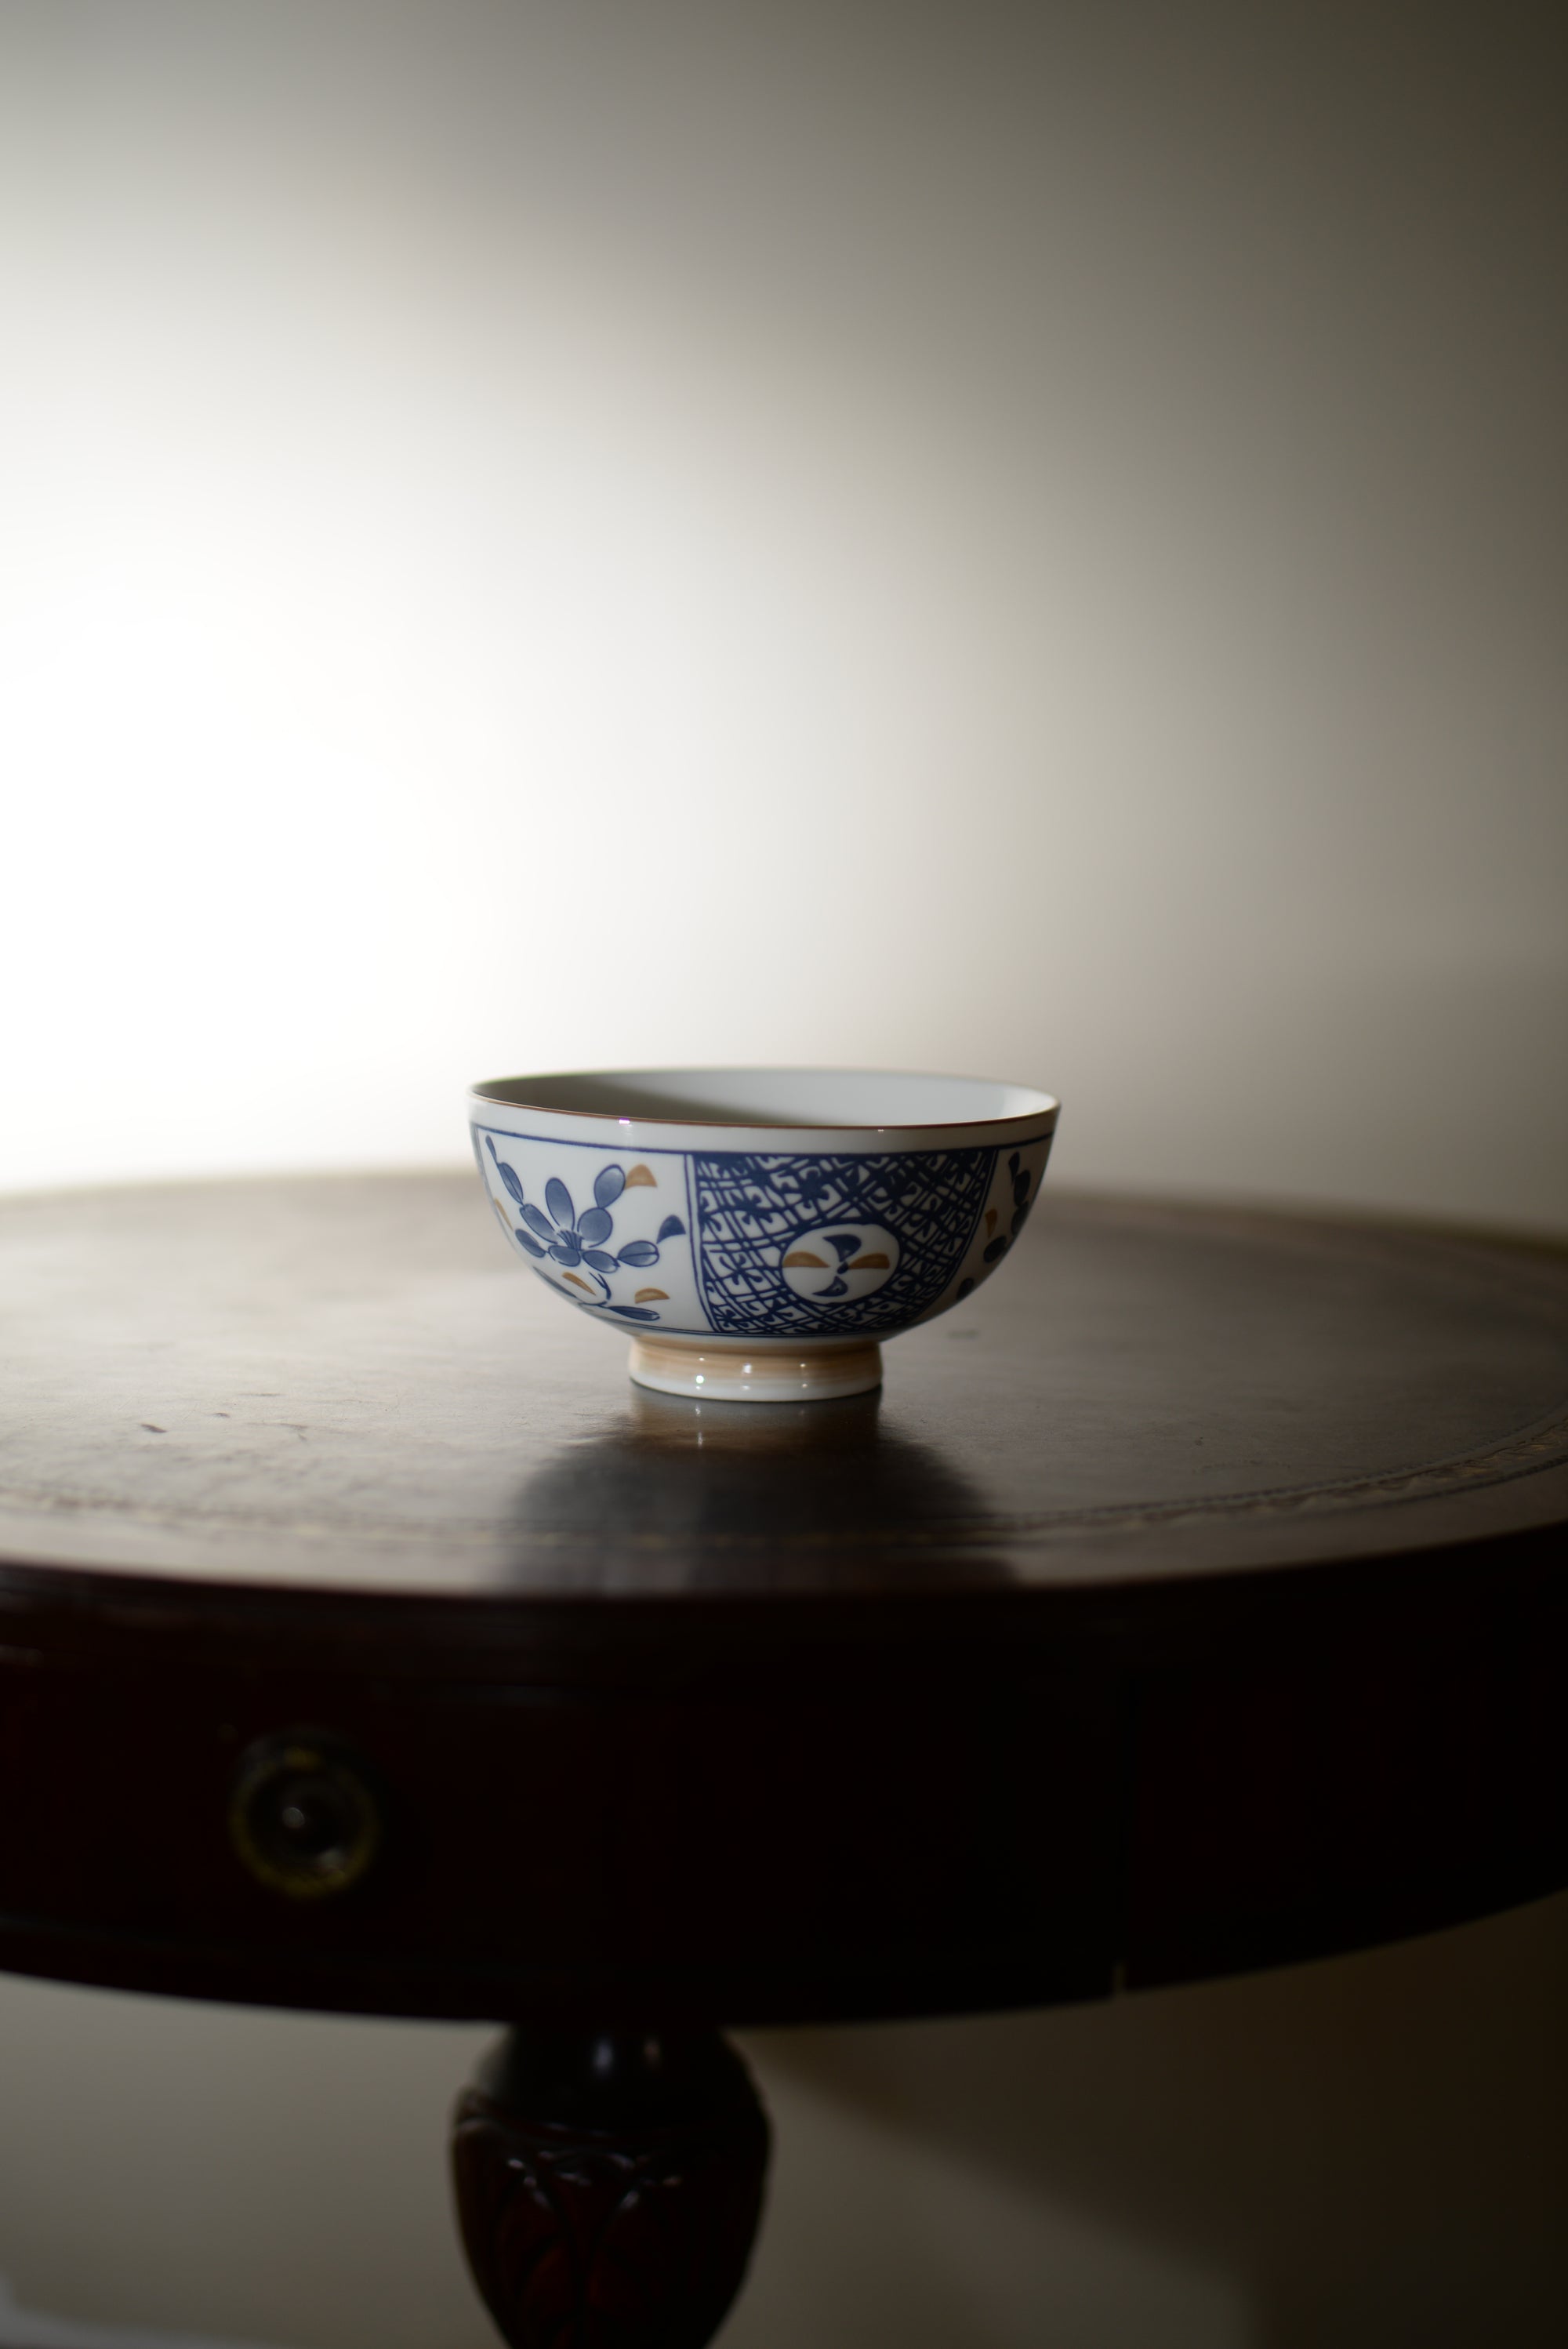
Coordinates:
[759,1231]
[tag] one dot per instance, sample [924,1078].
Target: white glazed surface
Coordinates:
[709,1207]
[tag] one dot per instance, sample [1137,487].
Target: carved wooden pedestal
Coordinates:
[609,2187]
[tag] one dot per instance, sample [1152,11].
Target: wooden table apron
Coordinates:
[1195,1598]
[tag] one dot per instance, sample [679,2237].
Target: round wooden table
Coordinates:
[1196,1597]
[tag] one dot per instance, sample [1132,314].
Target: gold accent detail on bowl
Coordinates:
[990,1221]
[804,1256]
[647,1295]
[875,1263]
[640,1173]
[582,1285]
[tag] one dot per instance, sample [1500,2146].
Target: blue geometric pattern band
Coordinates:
[750,1207]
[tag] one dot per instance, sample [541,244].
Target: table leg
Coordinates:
[609,2186]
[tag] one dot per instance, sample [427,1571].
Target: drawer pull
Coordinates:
[303,1818]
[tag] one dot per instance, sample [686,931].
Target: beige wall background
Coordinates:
[1016,538]
[1370,2153]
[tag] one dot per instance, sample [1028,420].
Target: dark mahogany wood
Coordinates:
[1193,1597]
[609,2187]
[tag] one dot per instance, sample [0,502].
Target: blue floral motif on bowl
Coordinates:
[576,1242]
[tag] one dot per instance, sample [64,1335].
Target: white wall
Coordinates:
[1016,538]
[1366,2154]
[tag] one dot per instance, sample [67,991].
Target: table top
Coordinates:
[1194,1597]
[344,1384]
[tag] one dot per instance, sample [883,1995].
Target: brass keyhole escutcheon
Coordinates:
[304,1818]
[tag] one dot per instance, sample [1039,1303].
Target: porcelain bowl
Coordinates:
[759,1231]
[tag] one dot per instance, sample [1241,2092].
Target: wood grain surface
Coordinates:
[1195,1598]
[347,1383]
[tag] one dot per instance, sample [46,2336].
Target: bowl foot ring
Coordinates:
[731,1372]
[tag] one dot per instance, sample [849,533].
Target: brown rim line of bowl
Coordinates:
[681,1101]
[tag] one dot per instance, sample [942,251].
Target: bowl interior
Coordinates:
[779,1097]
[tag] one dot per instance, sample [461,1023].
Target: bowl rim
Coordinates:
[823,1135]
